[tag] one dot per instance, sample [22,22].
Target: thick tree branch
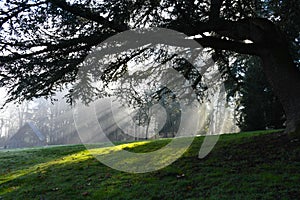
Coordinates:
[261,32]
[257,30]
[223,44]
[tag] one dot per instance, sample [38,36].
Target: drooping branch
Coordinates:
[75,42]
[16,11]
[88,14]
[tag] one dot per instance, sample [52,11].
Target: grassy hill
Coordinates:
[256,165]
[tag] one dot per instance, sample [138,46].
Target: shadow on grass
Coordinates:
[240,167]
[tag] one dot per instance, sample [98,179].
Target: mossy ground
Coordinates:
[256,165]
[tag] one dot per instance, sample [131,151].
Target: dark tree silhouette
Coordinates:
[258,108]
[44,42]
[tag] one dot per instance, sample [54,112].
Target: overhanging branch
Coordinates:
[75,42]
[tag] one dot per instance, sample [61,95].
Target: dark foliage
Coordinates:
[43,43]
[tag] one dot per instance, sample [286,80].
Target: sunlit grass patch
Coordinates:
[8,190]
[80,156]
[66,160]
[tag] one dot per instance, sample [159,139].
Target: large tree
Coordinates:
[43,42]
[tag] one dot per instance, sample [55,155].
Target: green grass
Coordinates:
[254,165]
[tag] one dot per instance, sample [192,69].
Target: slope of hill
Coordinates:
[256,165]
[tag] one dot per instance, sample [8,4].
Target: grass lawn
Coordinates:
[256,165]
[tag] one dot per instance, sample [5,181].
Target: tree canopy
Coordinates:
[43,43]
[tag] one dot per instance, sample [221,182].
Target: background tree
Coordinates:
[173,113]
[44,42]
[258,108]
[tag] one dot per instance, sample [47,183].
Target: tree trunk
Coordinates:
[271,45]
[284,78]
[278,65]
